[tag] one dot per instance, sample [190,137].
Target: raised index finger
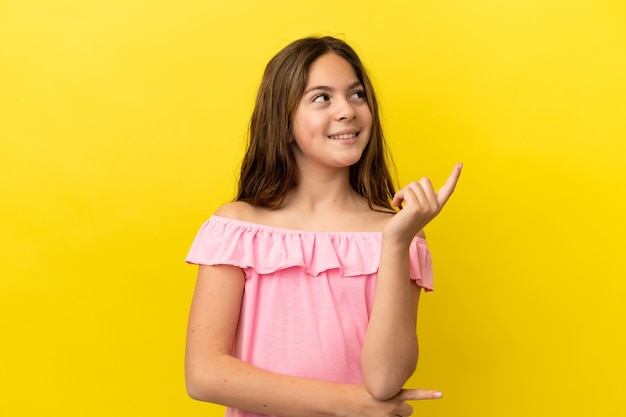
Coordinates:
[444,193]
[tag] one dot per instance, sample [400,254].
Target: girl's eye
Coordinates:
[321,98]
[358,95]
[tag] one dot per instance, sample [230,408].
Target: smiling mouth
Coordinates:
[344,136]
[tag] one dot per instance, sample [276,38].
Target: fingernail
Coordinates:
[437,395]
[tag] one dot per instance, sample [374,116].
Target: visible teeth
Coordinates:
[344,136]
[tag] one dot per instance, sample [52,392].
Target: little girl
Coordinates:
[308,284]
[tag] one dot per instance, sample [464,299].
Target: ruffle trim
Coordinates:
[267,249]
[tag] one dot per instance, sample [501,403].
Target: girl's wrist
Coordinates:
[391,241]
[349,401]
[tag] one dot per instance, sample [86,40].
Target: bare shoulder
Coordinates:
[237,210]
[377,218]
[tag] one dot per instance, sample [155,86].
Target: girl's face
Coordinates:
[332,124]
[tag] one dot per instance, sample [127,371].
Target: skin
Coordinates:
[322,201]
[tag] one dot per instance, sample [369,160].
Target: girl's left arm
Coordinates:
[390,349]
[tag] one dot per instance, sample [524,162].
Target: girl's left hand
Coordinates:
[420,204]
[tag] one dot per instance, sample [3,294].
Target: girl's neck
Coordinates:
[323,203]
[318,192]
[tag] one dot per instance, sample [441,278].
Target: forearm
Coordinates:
[228,381]
[390,348]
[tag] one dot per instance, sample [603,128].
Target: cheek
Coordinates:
[306,127]
[367,121]
[368,115]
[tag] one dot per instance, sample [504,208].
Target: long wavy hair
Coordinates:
[269,168]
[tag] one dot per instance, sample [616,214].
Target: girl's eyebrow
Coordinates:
[327,88]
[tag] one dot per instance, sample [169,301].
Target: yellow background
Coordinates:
[122,124]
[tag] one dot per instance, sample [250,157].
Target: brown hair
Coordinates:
[269,169]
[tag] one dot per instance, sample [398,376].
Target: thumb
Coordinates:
[418,394]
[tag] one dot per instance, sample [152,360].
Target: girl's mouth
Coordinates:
[344,136]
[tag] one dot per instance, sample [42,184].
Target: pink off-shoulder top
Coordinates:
[307,297]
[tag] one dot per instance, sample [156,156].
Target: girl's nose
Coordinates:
[345,110]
